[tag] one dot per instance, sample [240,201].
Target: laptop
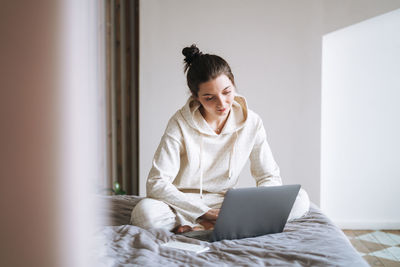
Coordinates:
[251,212]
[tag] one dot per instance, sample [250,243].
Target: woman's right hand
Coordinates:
[210,215]
[208,219]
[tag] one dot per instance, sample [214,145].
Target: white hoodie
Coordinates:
[192,156]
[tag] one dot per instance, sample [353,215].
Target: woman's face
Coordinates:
[216,97]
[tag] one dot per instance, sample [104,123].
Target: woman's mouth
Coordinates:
[221,110]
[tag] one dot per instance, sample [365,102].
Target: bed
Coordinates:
[312,240]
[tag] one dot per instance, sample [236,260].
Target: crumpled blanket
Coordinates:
[312,240]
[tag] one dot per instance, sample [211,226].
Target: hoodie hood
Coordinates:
[236,119]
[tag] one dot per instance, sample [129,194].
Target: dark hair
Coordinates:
[203,67]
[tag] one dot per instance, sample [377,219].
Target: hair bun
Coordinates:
[191,53]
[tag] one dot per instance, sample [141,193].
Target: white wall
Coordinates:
[360,174]
[268,56]
[274,49]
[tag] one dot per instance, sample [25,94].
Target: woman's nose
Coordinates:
[220,101]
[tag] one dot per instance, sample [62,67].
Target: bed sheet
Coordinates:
[312,240]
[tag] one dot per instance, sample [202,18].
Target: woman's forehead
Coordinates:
[215,86]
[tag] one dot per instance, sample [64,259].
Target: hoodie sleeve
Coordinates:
[262,164]
[165,167]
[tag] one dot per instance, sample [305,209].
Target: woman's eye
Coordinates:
[209,98]
[227,93]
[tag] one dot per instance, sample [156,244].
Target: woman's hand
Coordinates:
[210,215]
[209,218]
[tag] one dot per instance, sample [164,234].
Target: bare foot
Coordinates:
[180,229]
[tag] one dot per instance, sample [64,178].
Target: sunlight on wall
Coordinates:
[360,124]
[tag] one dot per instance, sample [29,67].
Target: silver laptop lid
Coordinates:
[255,211]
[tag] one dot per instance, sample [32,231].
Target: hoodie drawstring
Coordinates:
[231,156]
[201,166]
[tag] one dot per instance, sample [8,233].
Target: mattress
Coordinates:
[312,240]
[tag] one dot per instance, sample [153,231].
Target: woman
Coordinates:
[203,150]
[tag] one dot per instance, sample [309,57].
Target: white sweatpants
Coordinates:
[152,213]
